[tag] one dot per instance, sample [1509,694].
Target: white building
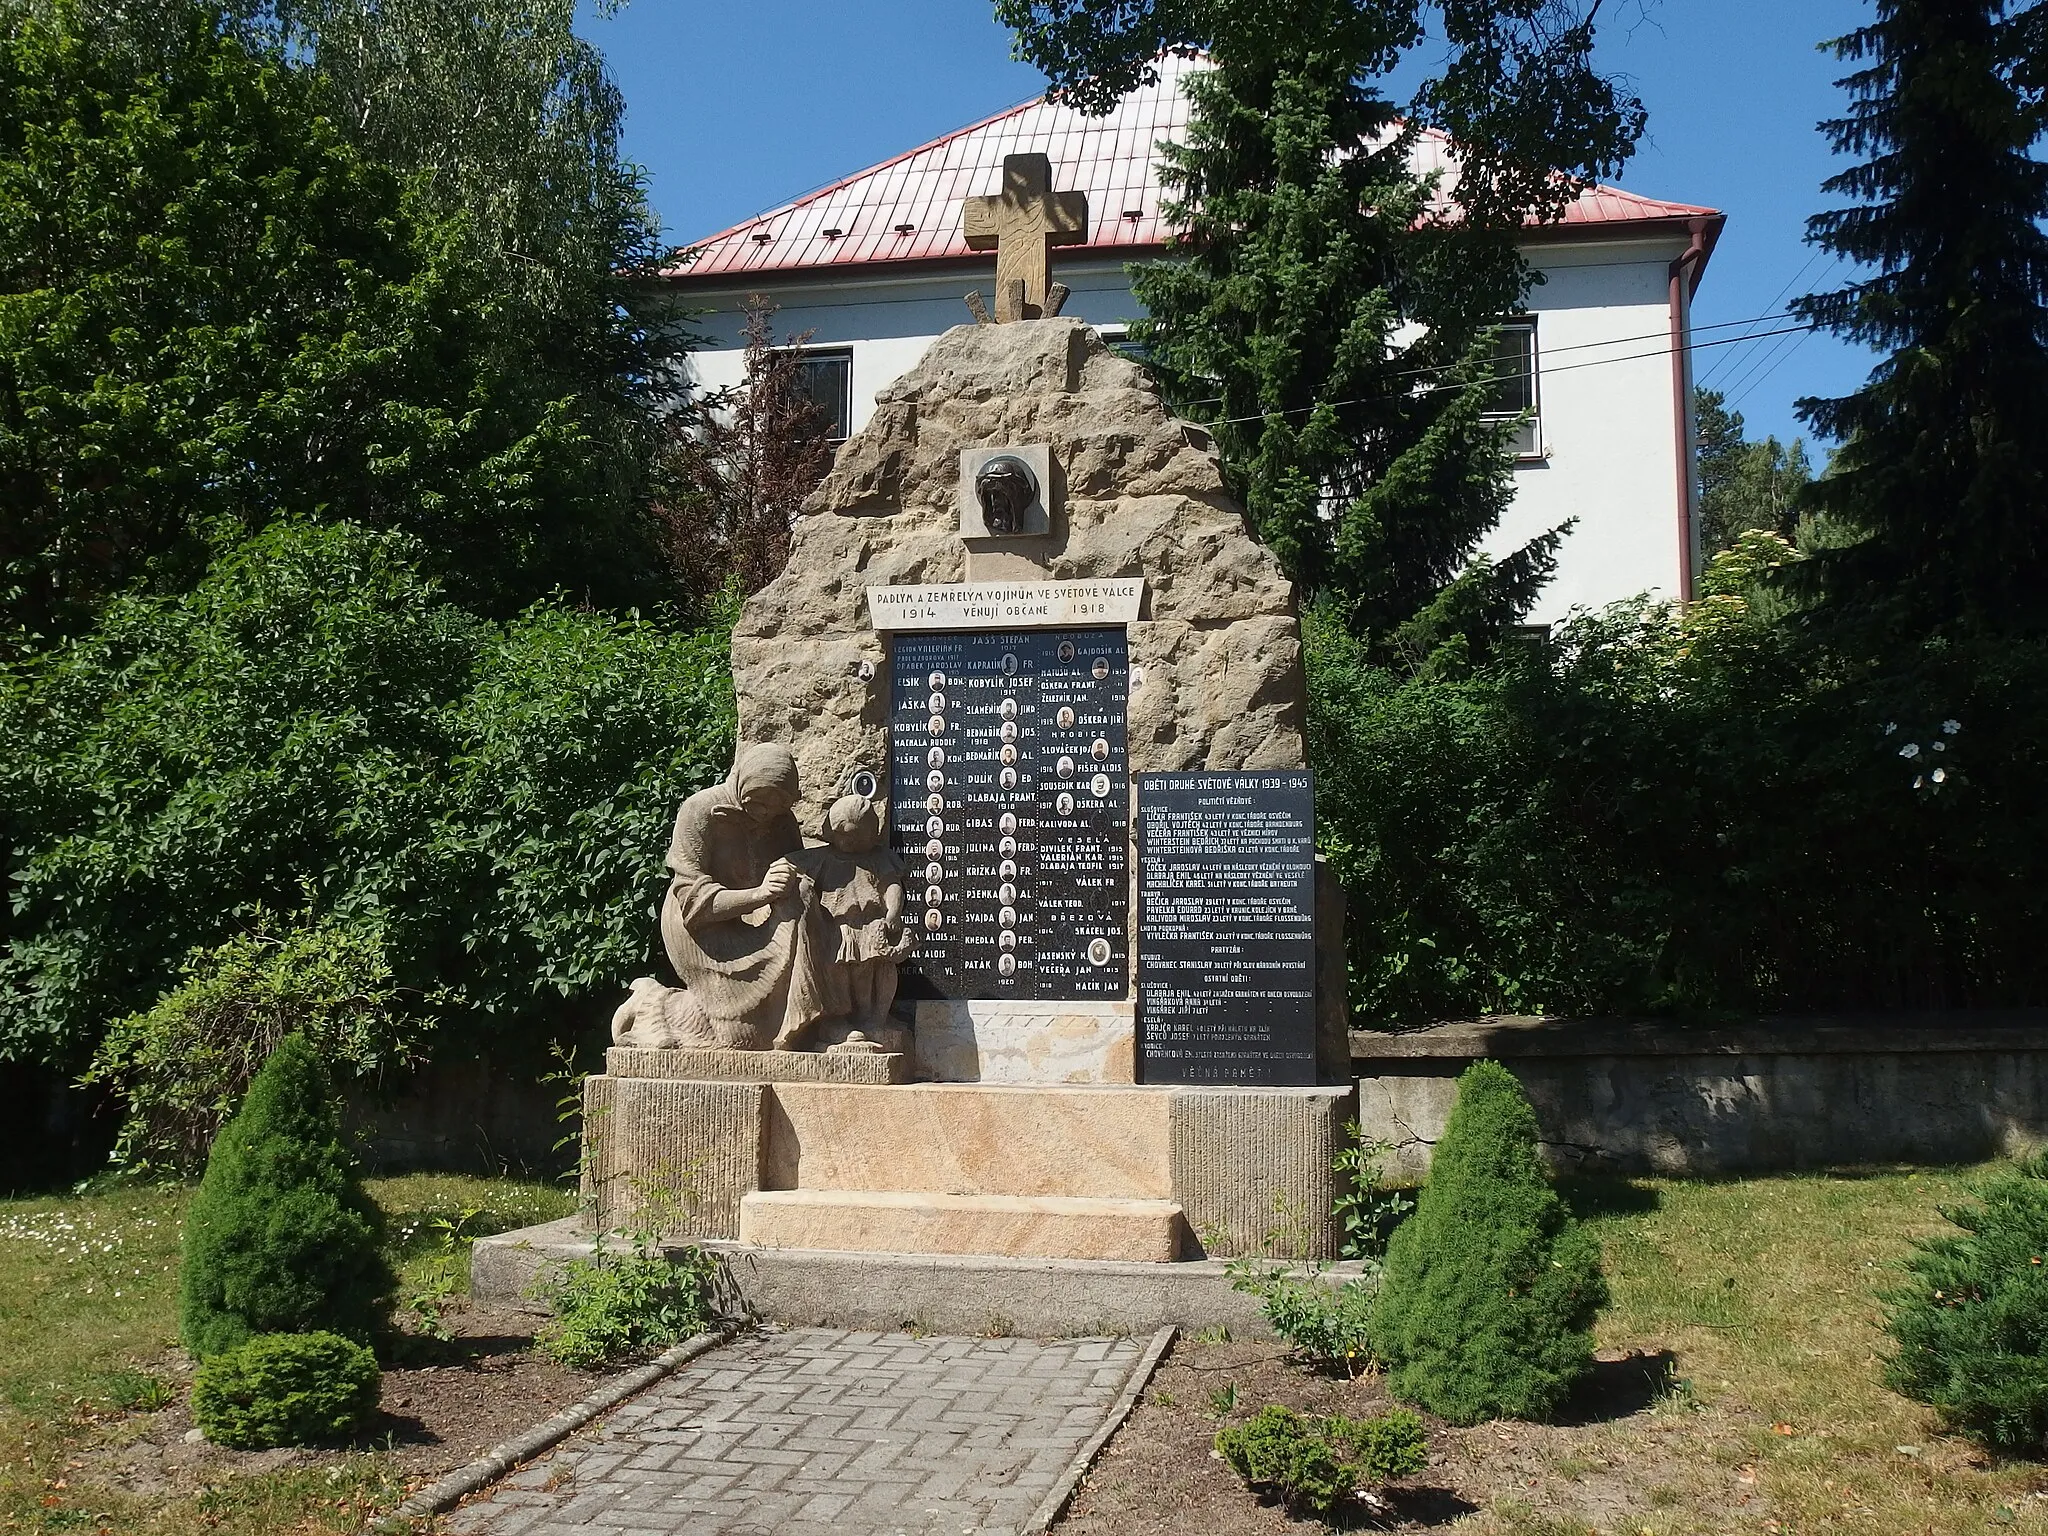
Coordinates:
[875,266]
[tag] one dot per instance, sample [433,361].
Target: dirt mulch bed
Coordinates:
[1605,1465]
[444,1404]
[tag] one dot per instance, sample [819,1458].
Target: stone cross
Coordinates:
[1021,226]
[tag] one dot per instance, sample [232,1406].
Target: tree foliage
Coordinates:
[736,468]
[316,727]
[1939,468]
[220,301]
[1516,89]
[1487,1305]
[281,1237]
[1744,486]
[1329,305]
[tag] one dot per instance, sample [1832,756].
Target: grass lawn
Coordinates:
[88,1328]
[1763,1290]
[1751,1301]
[1740,1393]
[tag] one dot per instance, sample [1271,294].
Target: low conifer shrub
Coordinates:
[286,1389]
[1487,1304]
[1970,1326]
[1312,1465]
[281,1237]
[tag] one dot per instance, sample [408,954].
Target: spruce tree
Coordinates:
[1328,309]
[1487,1305]
[1940,469]
[281,1237]
[1285,320]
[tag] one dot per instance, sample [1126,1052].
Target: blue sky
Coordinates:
[736,107]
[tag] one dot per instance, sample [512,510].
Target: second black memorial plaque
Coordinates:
[1010,802]
[1226,928]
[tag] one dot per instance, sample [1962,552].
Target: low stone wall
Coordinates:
[1618,1096]
[466,1116]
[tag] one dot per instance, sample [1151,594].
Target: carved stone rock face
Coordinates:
[1216,660]
[1005,487]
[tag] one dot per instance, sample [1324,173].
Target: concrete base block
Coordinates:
[1019,1226]
[939,1293]
[1252,1168]
[758,1066]
[971,1139]
[682,1153]
[996,1040]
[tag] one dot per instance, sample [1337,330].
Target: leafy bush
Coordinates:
[1487,1305]
[1366,1209]
[281,1237]
[614,1306]
[1313,1464]
[315,727]
[184,1065]
[1328,1325]
[1660,809]
[286,1389]
[1970,1329]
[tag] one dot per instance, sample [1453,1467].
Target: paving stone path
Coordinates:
[811,1430]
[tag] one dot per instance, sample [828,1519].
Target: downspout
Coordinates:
[1681,403]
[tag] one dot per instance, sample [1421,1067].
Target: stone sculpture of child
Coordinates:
[859,884]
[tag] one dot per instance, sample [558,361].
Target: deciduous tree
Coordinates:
[738,464]
[1744,485]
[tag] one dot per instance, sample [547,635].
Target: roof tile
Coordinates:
[1111,159]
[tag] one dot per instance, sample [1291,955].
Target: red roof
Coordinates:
[908,209]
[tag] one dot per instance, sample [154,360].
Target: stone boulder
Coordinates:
[1218,639]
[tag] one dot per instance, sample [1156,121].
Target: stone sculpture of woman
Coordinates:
[741,925]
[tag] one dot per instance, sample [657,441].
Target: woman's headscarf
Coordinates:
[765,765]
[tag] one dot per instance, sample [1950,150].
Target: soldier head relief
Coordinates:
[1005,487]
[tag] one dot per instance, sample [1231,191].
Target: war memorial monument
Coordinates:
[1004,937]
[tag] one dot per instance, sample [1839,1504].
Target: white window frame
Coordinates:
[1527,444]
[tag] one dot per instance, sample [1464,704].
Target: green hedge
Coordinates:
[1642,811]
[315,728]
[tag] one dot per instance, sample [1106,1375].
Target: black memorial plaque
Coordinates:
[1010,802]
[1226,928]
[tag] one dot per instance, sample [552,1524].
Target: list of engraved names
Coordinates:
[1226,935]
[1010,803]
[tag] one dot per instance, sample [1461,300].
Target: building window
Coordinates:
[827,377]
[1514,384]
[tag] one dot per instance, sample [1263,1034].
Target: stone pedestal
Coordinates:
[995,1040]
[1057,1171]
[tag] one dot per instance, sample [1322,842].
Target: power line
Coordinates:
[1794,281]
[1549,352]
[1598,362]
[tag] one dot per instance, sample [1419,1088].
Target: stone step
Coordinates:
[914,1221]
[1085,1142]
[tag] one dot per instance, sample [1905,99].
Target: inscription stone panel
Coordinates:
[1010,802]
[1226,928]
